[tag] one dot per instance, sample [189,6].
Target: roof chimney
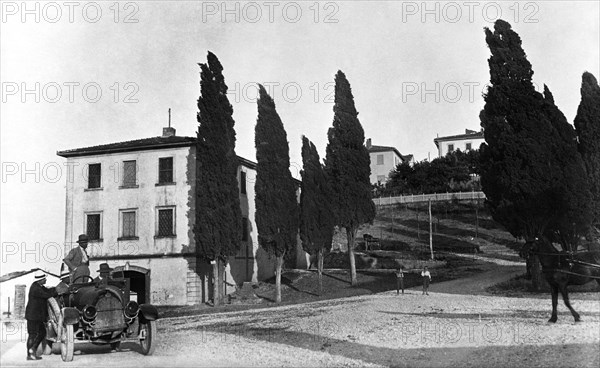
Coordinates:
[168,131]
[368,143]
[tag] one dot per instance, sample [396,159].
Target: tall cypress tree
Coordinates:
[587,123]
[520,176]
[573,203]
[276,204]
[348,167]
[316,216]
[218,213]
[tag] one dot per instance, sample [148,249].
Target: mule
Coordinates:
[562,269]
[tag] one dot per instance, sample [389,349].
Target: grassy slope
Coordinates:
[406,229]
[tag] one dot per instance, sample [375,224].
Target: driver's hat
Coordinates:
[104,267]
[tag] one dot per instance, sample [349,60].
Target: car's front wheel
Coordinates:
[67,343]
[148,337]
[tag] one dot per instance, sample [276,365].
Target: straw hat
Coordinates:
[40,275]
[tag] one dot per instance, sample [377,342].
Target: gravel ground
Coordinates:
[461,326]
[389,330]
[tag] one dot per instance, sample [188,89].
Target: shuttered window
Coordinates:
[128,218]
[165,170]
[94,176]
[129,173]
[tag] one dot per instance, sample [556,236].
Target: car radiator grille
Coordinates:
[110,314]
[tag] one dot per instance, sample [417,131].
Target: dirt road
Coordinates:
[411,330]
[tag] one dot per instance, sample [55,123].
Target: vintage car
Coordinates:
[99,312]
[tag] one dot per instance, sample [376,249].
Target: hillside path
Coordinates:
[496,271]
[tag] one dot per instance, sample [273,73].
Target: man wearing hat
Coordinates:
[104,273]
[77,260]
[36,313]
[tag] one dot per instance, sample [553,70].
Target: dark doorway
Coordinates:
[139,282]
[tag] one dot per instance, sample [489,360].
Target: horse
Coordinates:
[562,269]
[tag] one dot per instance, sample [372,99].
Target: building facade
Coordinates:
[471,140]
[136,202]
[383,160]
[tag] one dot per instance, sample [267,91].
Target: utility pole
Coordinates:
[393,213]
[430,231]
[476,219]
[418,225]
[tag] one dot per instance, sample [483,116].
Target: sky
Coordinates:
[77,74]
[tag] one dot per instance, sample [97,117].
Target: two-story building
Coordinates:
[471,140]
[136,202]
[383,160]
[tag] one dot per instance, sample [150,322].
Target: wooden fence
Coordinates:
[435,197]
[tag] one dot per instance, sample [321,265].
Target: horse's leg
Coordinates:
[554,292]
[565,295]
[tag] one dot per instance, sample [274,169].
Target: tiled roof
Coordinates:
[475,135]
[384,149]
[387,149]
[140,145]
[127,146]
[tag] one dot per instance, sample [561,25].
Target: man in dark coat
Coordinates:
[36,313]
[104,271]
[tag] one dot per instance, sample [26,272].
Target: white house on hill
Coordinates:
[471,140]
[383,160]
[136,202]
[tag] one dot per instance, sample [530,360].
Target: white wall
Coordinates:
[169,276]
[390,161]
[110,199]
[459,144]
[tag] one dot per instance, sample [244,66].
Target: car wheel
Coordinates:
[67,344]
[54,327]
[148,337]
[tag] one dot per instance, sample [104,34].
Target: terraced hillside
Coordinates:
[465,228]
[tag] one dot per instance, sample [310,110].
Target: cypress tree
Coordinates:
[573,203]
[316,216]
[348,167]
[587,124]
[276,204]
[518,171]
[218,228]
